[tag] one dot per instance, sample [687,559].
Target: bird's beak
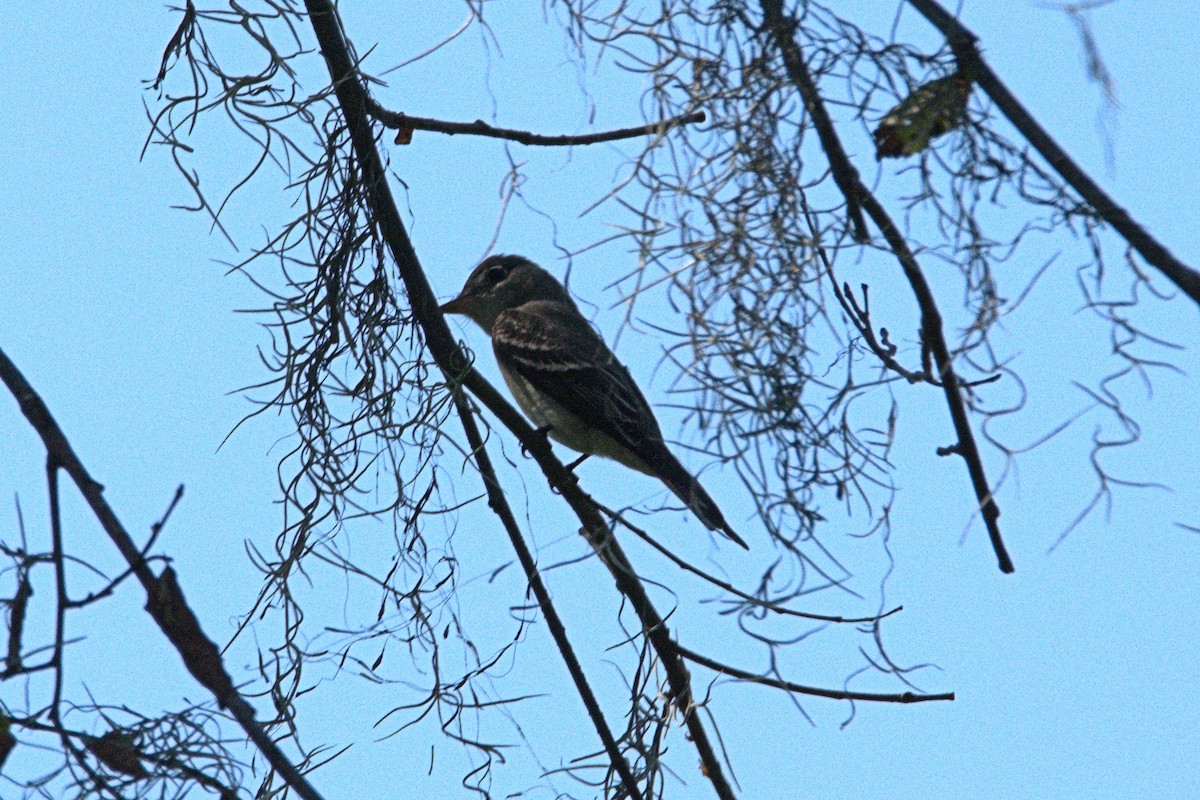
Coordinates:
[456,306]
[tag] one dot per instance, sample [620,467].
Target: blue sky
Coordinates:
[1074,677]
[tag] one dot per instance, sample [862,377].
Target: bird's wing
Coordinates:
[552,347]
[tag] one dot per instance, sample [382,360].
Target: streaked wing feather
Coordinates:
[555,349]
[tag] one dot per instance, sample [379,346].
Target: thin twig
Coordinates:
[729,587]
[404,122]
[833,694]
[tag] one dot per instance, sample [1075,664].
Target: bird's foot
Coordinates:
[571,467]
[571,476]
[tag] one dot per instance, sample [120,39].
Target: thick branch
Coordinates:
[963,42]
[931,319]
[353,98]
[403,122]
[499,504]
[199,654]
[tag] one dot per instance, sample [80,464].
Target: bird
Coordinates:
[566,379]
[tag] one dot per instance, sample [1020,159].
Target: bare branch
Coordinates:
[931,318]
[406,125]
[832,694]
[61,455]
[844,172]
[352,95]
[963,42]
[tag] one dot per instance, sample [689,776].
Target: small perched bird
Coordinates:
[567,381]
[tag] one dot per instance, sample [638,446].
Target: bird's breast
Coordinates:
[567,428]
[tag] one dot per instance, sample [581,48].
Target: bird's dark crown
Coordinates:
[493,269]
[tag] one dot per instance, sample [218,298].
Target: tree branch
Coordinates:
[404,122]
[832,694]
[934,339]
[963,42]
[844,173]
[931,319]
[353,98]
[199,654]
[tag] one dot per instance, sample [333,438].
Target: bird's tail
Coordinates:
[689,490]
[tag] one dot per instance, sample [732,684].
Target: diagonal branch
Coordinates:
[963,42]
[844,173]
[164,598]
[934,340]
[932,336]
[353,98]
[499,504]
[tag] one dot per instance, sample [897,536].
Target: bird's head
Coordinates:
[503,282]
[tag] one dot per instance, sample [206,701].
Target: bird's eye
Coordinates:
[495,275]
